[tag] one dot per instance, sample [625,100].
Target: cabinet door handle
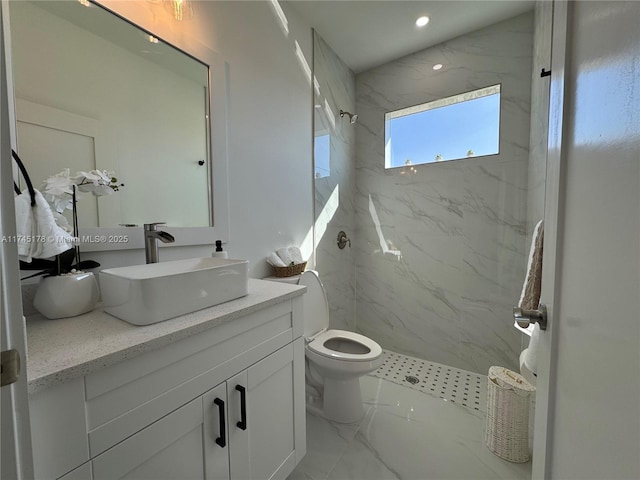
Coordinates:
[222,439]
[242,424]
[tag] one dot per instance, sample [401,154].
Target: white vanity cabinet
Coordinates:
[241,429]
[227,403]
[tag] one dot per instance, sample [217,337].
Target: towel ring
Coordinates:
[27,180]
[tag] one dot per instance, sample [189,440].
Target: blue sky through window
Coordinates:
[450,131]
[322,155]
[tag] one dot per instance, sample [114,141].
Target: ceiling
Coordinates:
[368,33]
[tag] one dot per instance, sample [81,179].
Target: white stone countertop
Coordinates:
[67,348]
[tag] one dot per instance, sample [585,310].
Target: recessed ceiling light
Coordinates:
[437,66]
[85,3]
[422,21]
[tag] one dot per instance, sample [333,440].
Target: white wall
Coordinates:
[269,121]
[596,428]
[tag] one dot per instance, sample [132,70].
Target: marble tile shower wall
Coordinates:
[539,115]
[334,205]
[460,226]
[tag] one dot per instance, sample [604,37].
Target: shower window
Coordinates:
[322,155]
[461,126]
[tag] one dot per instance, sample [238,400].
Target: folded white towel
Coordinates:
[285,256]
[275,261]
[296,255]
[38,234]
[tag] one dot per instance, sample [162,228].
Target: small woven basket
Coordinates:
[290,271]
[507,423]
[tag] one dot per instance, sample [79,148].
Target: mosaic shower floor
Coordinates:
[448,383]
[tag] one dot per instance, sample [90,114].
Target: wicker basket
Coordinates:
[507,425]
[290,271]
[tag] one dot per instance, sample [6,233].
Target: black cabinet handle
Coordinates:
[242,424]
[222,439]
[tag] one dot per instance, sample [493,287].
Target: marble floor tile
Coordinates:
[405,434]
[326,442]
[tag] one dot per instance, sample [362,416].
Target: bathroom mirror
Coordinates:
[93,91]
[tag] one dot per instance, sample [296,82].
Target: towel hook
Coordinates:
[526,317]
[27,180]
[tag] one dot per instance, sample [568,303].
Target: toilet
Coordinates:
[335,359]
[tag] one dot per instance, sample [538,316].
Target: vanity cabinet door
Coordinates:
[189,444]
[216,433]
[171,447]
[263,439]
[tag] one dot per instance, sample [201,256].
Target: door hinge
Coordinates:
[9,367]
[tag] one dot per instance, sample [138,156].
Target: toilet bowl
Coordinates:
[335,359]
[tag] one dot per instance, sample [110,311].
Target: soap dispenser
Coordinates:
[218,251]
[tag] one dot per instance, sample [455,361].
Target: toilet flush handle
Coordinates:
[526,317]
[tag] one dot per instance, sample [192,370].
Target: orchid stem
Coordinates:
[75,227]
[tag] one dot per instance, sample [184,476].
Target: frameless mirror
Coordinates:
[94,91]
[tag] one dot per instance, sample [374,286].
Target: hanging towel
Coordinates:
[530,358]
[38,235]
[530,296]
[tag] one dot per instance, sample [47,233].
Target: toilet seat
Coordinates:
[316,333]
[318,346]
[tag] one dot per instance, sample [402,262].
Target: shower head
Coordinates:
[352,117]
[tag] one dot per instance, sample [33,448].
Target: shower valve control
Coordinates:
[526,317]
[343,240]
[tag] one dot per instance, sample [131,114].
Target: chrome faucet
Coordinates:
[151,234]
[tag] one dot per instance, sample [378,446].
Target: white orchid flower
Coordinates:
[97,190]
[61,204]
[98,182]
[62,222]
[58,190]
[59,184]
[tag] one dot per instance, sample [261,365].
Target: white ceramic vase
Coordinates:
[66,295]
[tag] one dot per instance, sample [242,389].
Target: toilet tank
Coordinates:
[292,280]
[316,309]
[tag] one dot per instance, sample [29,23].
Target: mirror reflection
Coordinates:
[95,92]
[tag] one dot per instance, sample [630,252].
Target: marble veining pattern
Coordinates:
[539,115]
[334,206]
[405,434]
[441,252]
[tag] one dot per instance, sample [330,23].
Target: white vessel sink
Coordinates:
[146,294]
